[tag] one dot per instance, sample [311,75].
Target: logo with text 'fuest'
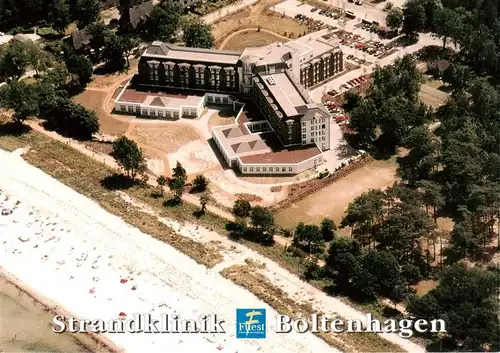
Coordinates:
[250,323]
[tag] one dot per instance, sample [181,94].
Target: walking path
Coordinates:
[251,29]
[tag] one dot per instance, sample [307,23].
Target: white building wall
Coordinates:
[316,131]
[283,168]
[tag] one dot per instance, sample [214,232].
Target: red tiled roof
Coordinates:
[157,102]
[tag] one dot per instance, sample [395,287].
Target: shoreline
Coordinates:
[101,342]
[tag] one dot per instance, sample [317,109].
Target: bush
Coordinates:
[71,119]
[323,174]
[314,271]
[411,273]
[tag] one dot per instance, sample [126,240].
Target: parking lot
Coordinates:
[359,43]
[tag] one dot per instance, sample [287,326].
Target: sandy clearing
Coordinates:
[196,156]
[332,201]
[80,247]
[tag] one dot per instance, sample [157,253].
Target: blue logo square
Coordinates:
[250,323]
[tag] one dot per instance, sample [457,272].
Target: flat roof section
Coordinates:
[318,45]
[284,91]
[283,157]
[134,96]
[159,99]
[174,52]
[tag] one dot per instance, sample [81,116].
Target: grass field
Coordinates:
[332,201]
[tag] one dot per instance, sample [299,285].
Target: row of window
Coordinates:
[153,112]
[199,75]
[268,169]
[304,137]
[217,100]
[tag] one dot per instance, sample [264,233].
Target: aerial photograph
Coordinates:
[249,176]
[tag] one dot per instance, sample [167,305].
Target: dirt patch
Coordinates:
[432,96]
[330,197]
[99,147]
[251,39]
[96,100]
[249,197]
[258,15]
[166,138]
[217,120]
[248,276]
[423,287]
[107,80]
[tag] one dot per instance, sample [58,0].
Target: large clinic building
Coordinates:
[291,131]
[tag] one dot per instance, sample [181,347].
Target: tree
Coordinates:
[72,119]
[421,162]
[352,100]
[177,187]
[328,229]
[401,231]
[457,75]
[413,18]
[80,66]
[431,196]
[342,260]
[205,198]
[467,299]
[363,215]
[379,273]
[58,14]
[17,57]
[200,183]
[447,23]
[161,181]
[21,98]
[241,208]
[124,7]
[308,233]
[115,49]
[85,12]
[394,18]
[99,34]
[129,156]
[163,22]
[261,218]
[179,172]
[198,35]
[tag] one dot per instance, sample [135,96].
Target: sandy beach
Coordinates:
[92,264]
[25,325]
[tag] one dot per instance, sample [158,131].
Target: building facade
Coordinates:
[274,77]
[164,65]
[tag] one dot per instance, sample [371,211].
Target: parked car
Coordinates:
[359,2]
[314,9]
